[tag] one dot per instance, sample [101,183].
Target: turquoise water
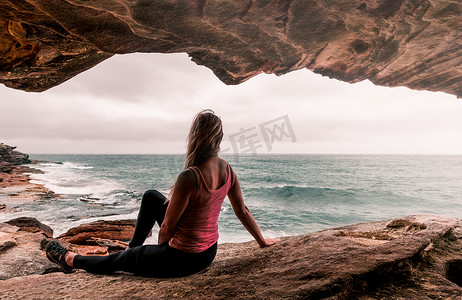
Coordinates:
[287,194]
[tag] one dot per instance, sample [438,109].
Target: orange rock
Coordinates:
[113,245]
[121,230]
[89,250]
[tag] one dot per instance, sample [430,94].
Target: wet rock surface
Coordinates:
[14,178]
[343,263]
[392,43]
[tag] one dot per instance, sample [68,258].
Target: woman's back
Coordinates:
[214,171]
[197,228]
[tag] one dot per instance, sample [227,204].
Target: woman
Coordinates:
[188,234]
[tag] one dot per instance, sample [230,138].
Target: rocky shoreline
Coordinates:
[15,182]
[23,240]
[416,257]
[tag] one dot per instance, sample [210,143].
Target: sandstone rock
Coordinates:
[20,158]
[404,223]
[89,250]
[7,228]
[16,182]
[312,266]
[27,169]
[9,162]
[80,249]
[98,238]
[6,167]
[391,43]
[11,157]
[18,186]
[7,240]
[2,206]
[24,258]
[112,245]
[114,230]
[31,225]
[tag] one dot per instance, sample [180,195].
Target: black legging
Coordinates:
[148,260]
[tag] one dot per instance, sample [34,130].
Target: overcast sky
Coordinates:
[144,103]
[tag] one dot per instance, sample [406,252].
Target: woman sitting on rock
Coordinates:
[188,232]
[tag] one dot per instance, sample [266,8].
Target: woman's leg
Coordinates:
[153,208]
[190,263]
[148,260]
[129,260]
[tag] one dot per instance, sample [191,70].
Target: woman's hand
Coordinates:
[270,242]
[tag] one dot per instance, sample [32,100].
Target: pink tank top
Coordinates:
[197,228]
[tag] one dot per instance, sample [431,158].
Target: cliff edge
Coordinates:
[416,257]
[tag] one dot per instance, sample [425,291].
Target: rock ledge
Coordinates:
[417,257]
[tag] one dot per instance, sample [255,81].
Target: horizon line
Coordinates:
[251,154]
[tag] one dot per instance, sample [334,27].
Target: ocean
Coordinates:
[287,194]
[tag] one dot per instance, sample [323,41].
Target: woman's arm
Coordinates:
[243,214]
[184,187]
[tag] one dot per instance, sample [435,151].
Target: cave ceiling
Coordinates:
[416,44]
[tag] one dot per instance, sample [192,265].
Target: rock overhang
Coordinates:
[416,44]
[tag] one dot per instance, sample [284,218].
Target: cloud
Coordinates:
[139,77]
[144,103]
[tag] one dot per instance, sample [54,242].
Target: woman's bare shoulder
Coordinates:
[224,165]
[186,177]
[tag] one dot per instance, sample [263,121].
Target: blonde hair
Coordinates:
[203,140]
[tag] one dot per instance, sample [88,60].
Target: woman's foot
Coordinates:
[57,254]
[70,258]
